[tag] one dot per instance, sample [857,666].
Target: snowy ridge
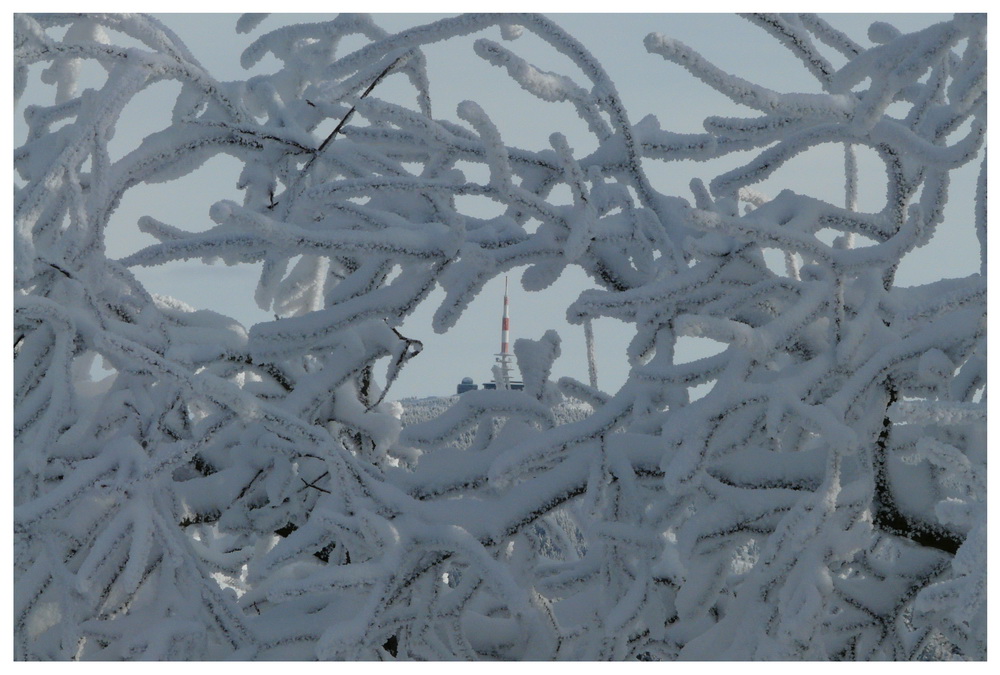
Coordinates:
[416,411]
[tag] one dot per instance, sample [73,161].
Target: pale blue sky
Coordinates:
[646,83]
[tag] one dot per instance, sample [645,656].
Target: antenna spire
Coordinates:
[501,372]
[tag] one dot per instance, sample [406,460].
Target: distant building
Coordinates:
[466,385]
[515,385]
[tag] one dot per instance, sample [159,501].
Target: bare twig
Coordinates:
[322,146]
[313,484]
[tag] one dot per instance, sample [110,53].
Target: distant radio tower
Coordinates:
[501,371]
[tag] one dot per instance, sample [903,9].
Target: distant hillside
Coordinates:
[416,410]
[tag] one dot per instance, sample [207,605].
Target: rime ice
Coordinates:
[815,490]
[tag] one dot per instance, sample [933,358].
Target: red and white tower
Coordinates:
[505,323]
[501,371]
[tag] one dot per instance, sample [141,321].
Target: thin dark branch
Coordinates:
[350,112]
[887,516]
[313,483]
[322,146]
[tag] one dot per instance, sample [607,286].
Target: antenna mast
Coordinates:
[501,371]
[588,334]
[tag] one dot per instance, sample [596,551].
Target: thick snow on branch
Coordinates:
[186,487]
